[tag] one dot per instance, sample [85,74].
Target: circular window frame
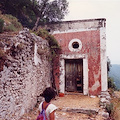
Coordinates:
[70,46]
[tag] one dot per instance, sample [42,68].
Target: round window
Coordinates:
[75,45]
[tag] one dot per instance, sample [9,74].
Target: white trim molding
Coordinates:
[103,57]
[74,30]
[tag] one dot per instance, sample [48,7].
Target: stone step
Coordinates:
[100,112]
[80,110]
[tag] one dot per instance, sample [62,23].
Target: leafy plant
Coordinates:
[109,108]
[54,46]
[10,28]
[13,24]
[111,83]
[33,12]
[45,35]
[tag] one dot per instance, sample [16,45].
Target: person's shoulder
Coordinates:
[52,106]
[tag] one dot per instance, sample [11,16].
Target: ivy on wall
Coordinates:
[53,43]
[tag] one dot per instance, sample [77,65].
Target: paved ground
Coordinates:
[72,103]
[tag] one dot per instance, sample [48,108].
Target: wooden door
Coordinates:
[74,75]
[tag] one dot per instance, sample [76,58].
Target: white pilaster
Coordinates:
[104,82]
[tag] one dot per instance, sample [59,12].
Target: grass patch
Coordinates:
[10,28]
[11,23]
[109,109]
[45,35]
[53,43]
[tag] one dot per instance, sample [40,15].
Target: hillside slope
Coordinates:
[115,74]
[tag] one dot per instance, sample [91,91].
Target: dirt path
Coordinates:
[71,102]
[76,101]
[116,103]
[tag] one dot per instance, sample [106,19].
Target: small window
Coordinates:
[75,45]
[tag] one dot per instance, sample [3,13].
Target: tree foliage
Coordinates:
[108,64]
[52,11]
[30,12]
[111,83]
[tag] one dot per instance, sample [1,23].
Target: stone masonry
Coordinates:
[25,73]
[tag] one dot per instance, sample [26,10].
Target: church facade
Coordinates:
[82,65]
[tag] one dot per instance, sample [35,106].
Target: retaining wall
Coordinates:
[24,73]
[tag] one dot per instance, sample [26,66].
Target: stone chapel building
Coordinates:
[82,64]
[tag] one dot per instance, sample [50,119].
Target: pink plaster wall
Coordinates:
[90,46]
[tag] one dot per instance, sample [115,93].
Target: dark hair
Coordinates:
[49,93]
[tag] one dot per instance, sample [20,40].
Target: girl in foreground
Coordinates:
[50,109]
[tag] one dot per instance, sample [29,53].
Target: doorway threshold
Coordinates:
[73,93]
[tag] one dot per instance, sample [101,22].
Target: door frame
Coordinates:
[85,71]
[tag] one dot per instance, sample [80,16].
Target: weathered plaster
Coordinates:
[97,83]
[75,30]
[95,86]
[104,84]
[91,34]
[76,24]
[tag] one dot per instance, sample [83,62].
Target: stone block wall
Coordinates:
[25,73]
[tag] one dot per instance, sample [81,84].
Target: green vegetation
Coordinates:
[51,40]
[109,109]
[11,23]
[14,25]
[54,46]
[32,13]
[114,108]
[111,84]
[115,74]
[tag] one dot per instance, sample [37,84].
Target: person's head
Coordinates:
[48,94]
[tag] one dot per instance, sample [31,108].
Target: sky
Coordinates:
[92,9]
